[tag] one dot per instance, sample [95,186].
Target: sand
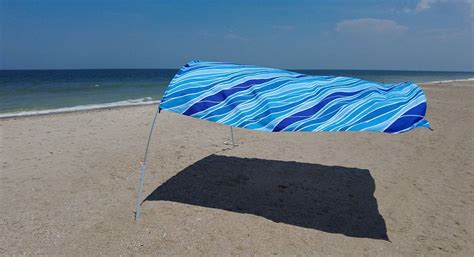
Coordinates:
[68,184]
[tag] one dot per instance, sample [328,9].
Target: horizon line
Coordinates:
[291,69]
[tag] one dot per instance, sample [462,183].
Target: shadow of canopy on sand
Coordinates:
[327,198]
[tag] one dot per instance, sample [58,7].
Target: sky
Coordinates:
[294,34]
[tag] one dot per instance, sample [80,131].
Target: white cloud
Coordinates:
[424,5]
[370,25]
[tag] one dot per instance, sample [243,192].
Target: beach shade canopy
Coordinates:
[274,100]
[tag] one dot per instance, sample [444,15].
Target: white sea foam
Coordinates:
[448,81]
[131,102]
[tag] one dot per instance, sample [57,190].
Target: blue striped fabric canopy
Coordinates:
[275,100]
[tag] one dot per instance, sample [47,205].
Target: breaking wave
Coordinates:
[131,102]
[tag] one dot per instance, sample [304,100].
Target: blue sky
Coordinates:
[336,34]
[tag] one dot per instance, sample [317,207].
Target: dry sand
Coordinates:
[68,184]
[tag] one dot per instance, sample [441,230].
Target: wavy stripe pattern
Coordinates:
[275,100]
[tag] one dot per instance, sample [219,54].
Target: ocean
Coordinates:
[30,92]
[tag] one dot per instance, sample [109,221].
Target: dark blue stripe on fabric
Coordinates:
[405,121]
[311,111]
[331,111]
[232,103]
[417,110]
[386,109]
[326,115]
[222,95]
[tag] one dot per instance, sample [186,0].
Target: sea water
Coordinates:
[30,92]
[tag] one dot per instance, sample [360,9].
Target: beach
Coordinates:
[68,185]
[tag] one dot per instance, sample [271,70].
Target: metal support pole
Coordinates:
[140,191]
[232,136]
[142,170]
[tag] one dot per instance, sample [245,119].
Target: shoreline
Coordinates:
[446,81]
[74,109]
[135,102]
